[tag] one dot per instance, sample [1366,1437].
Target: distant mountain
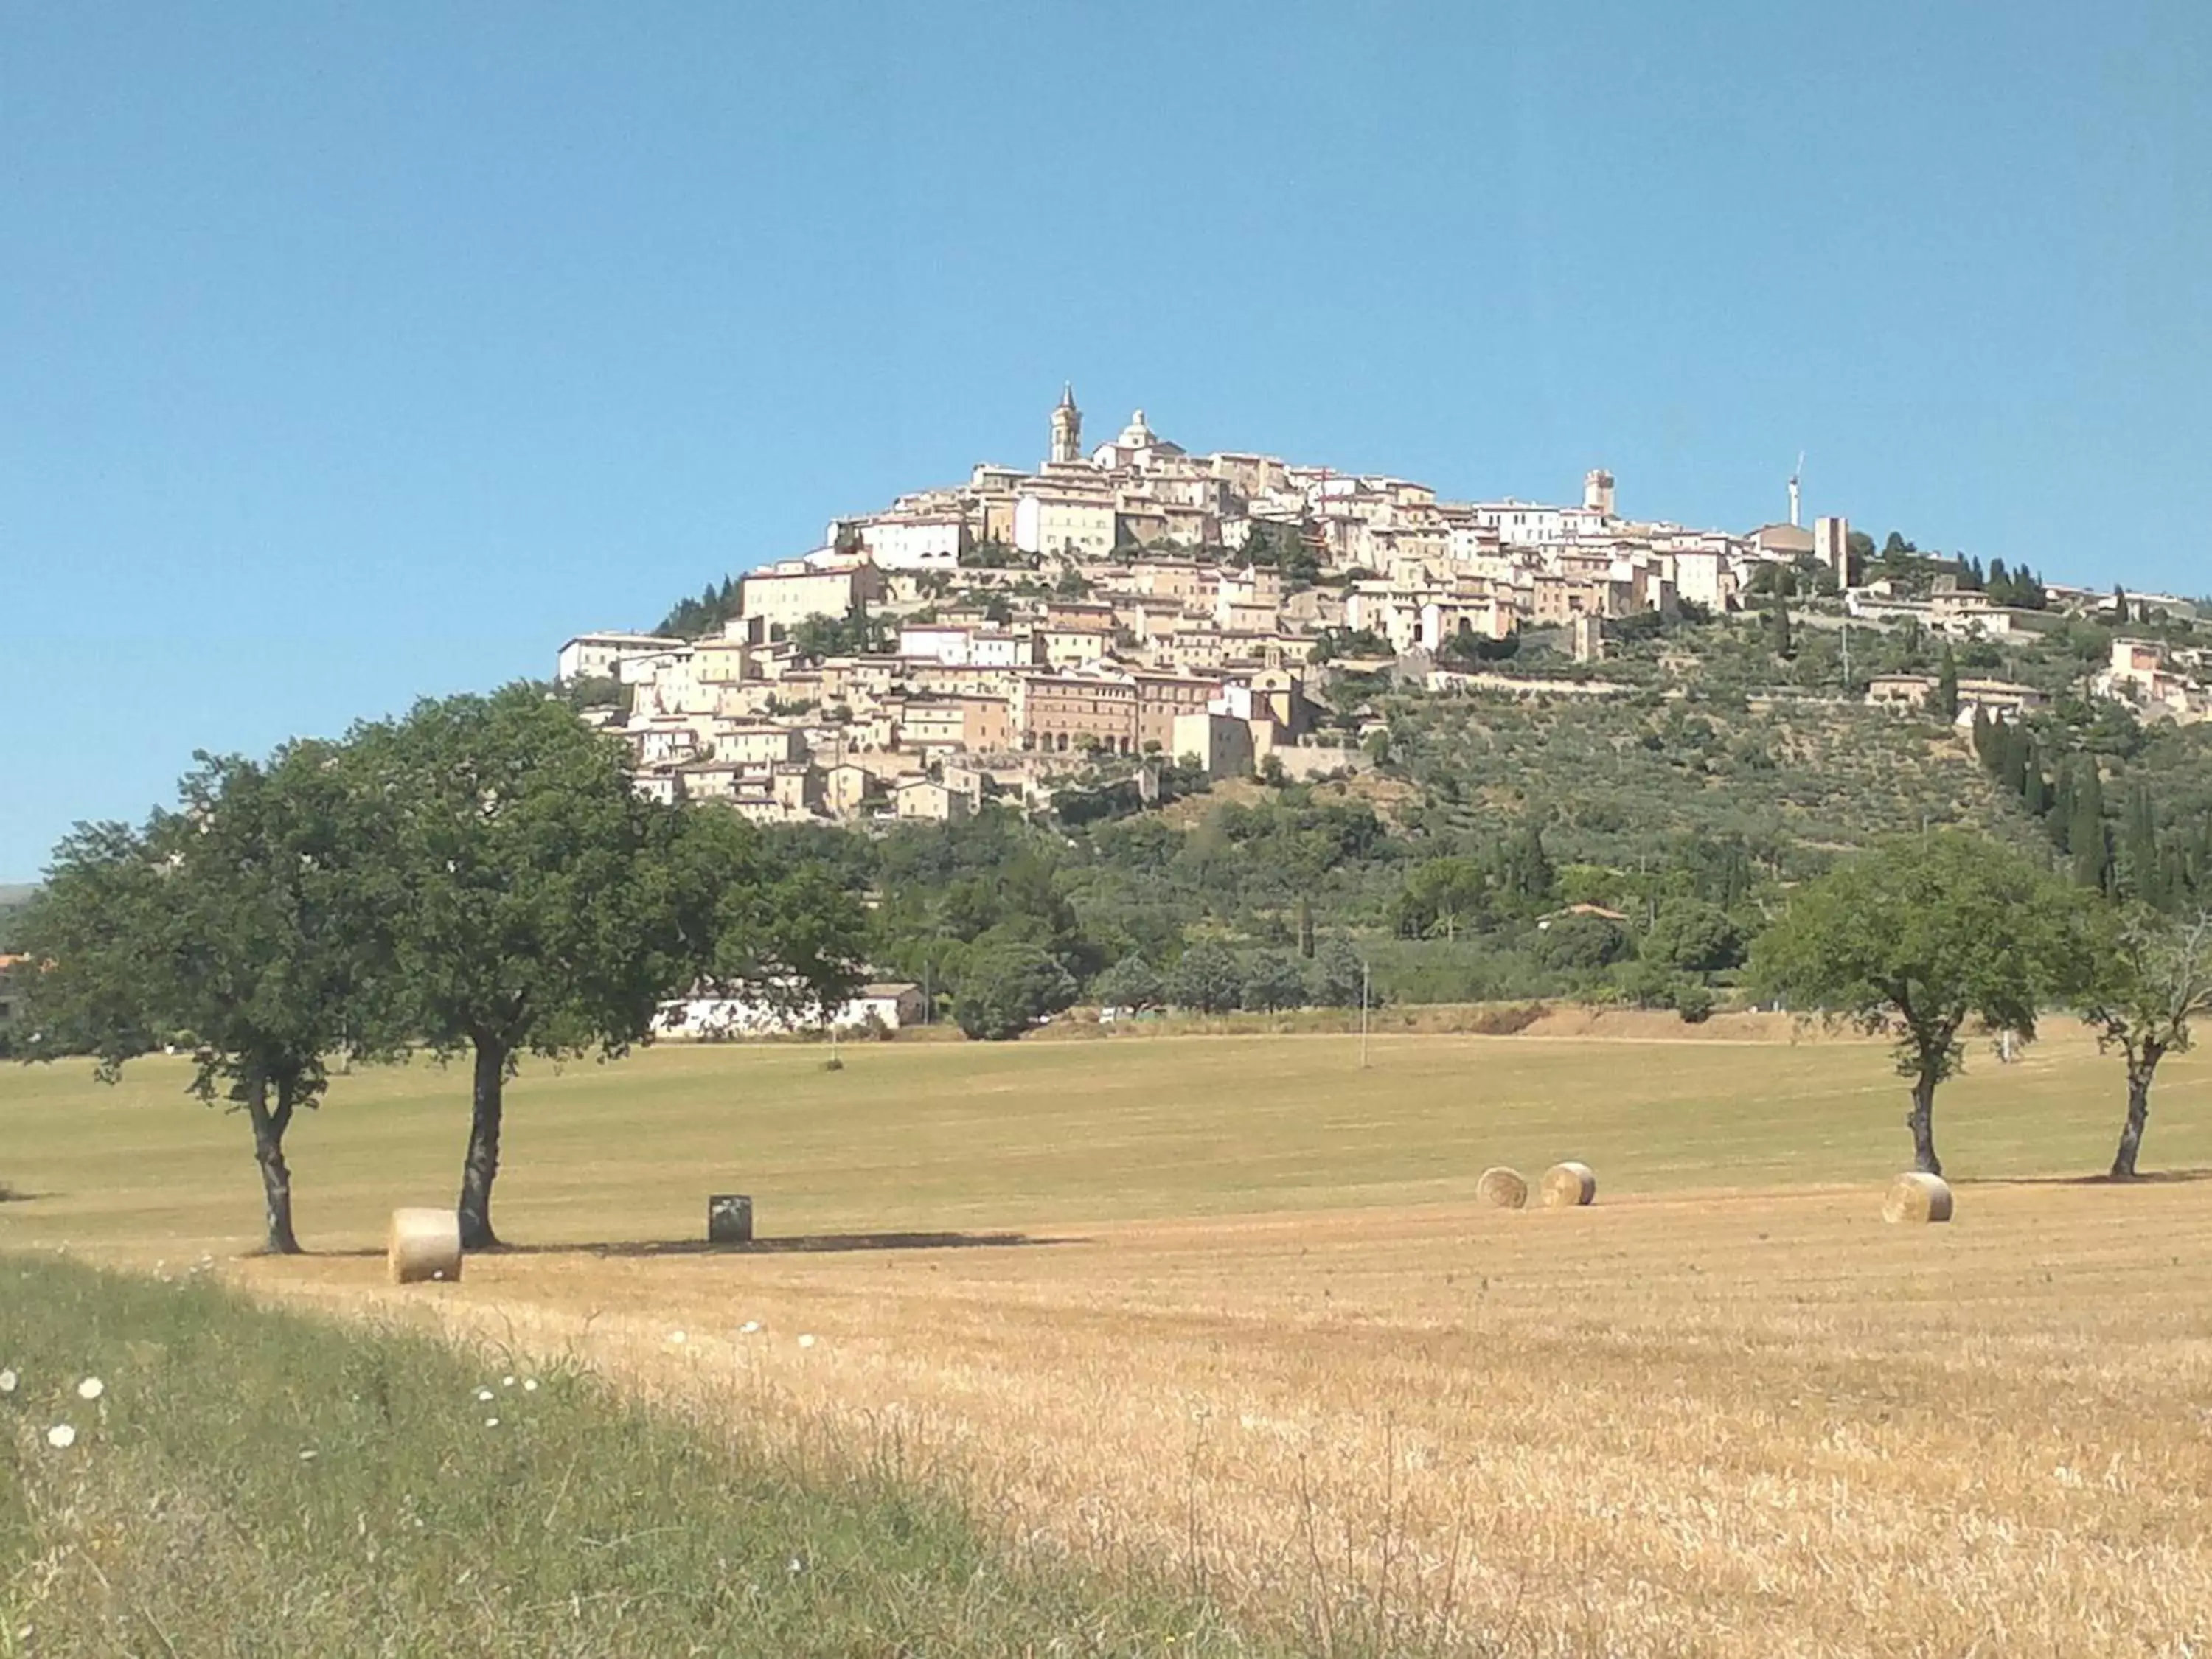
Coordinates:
[15,893]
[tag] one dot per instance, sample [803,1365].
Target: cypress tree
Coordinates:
[2035,793]
[2139,850]
[2014,774]
[1947,687]
[2092,858]
[1783,644]
[2061,821]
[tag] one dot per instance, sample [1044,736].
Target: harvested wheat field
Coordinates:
[1725,1410]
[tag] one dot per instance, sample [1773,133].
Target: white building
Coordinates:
[596,656]
[936,642]
[1136,449]
[909,541]
[893,1004]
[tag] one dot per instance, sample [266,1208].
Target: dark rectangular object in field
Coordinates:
[730,1219]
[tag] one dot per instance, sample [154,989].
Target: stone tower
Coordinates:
[1597,491]
[1066,429]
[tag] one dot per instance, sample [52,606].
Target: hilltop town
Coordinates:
[1138,606]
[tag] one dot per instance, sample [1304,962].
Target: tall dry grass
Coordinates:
[1734,1424]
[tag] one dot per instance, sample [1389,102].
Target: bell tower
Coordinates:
[1066,429]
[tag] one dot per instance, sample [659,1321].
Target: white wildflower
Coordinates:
[749,1328]
[483,1394]
[506,1382]
[7,1381]
[530,1385]
[61,1436]
[491,1422]
[308,1455]
[676,1337]
[91,1388]
[806,1339]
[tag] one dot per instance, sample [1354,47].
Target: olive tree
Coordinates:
[1916,937]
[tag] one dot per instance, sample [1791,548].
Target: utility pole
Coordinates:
[1362,1013]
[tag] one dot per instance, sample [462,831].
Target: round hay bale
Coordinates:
[1567,1186]
[1916,1197]
[1501,1189]
[426,1244]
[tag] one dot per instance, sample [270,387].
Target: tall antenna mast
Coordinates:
[1796,473]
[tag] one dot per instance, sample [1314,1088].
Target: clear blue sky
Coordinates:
[352,354]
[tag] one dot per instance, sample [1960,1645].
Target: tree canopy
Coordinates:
[2151,981]
[531,903]
[238,924]
[1917,937]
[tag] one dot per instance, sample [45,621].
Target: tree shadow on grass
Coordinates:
[795,1244]
[2148,1178]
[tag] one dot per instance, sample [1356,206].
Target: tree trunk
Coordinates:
[2139,1078]
[269,1153]
[482,1167]
[1921,1120]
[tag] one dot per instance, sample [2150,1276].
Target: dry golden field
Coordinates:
[1223,1303]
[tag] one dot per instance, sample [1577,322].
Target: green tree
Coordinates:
[747,921]
[1340,975]
[1915,937]
[1131,982]
[1785,638]
[1858,554]
[1693,937]
[242,918]
[1206,979]
[2058,818]
[1273,980]
[1525,872]
[2141,868]
[2012,770]
[1947,687]
[1580,944]
[528,893]
[854,634]
[1007,989]
[2035,791]
[2153,981]
[2086,836]
[1442,896]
